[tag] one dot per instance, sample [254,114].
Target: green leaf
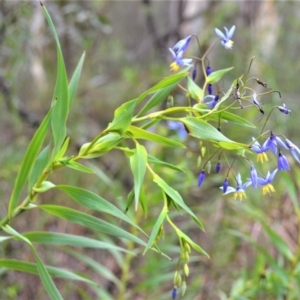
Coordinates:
[214,77]
[79,167]
[42,271]
[38,166]
[216,115]
[90,222]
[28,161]
[139,133]
[195,91]
[173,79]
[151,159]
[75,79]
[175,196]
[203,130]
[103,145]
[95,202]
[44,186]
[138,163]
[31,268]
[63,149]
[54,238]
[193,244]
[154,160]
[61,93]
[156,228]
[122,117]
[157,98]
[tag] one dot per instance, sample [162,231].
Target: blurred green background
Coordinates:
[126,44]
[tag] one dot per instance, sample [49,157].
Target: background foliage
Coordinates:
[253,245]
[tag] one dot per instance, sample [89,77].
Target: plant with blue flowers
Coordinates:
[207,111]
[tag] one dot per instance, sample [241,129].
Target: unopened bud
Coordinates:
[208,167]
[186,270]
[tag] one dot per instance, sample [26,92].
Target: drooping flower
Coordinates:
[253,176]
[294,150]
[179,127]
[283,164]
[208,70]
[272,142]
[201,178]
[213,102]
[194,74]
[266,182]
[284,110]
[218,167]
[255,101]
[226,38]
[174,293]
[210,86]
[182,45]
[239,191]
[261,152]
[178,61]
[225,185]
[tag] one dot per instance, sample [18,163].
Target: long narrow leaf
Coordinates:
[75,79]
[90,222]
[138,163]
[95,202]
[31,268]
[61,93]
[54,238]
[42,271]
[28,161]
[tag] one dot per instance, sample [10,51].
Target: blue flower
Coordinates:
[210,88]
[182,45]
[226,38]
[201,178]
[179,127]
[294,150]
[284,110]
[213,102]
[283,164]
[178,60]
[253,176]
[174,293]
[218,167]
[261,152]
[208,70]
[266,182]
[272,143]
[239,191]
[194,74]
[225,185]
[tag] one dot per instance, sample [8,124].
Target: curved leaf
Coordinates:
[90,222]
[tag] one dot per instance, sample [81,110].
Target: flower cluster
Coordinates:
[274,144]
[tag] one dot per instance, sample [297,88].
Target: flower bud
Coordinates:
[174,293]
[186,270]
[201,178]
[225,185]
[208,70]
[194,74]
[218,167]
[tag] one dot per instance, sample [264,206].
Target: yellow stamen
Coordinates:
[239,195]
[174,67]
[268,189]
[261,157]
